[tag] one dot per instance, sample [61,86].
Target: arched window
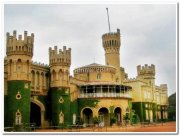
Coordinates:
[60,75]
[19,65]
[38,78]
[33,77]
[10,65]
[42,79]
[117,79]
[98,76]
[61,118]
[18,117]
[53,75]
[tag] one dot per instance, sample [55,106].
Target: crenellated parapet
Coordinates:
[111,42]
[60,57]
[164,87]
[146,70]
[19,46]
[40,64]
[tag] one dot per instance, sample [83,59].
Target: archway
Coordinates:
[35,115]
[37,109]
[104,116]
[88,116]
[117,113]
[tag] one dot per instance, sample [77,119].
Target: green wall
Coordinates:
[139,109]
[57,107]
[22,104]
[5,111]
[82,103]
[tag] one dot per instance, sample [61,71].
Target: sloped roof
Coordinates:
[96,65]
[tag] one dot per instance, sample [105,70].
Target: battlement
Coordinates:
[164,87]
[16,46]
[146,70]
[60,57]
[40,64]
[111,42]
[112,34]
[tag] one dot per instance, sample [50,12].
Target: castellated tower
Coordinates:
[19,54]
[111,44]
[147,73]
[60,61]
[18,62]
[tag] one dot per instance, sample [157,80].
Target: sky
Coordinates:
[148,34]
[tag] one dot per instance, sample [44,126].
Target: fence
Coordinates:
[80,128]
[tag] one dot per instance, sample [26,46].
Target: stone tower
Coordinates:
[111,44]
[60,61]
[147,73]
[19,54]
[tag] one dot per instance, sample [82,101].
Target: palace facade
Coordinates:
[48,96]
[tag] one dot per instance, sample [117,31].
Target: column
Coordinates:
[108,91]
[114,90]
[40,82]
[94,91]
[35,80]
[86,91]
[101,92]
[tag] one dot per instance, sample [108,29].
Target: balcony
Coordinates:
[104,95]
[104,91]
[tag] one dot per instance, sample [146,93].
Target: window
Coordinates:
[99,76]
[147,115]
[18,118]
[74,119]
[61,118]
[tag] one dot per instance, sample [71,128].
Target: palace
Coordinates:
[48,96]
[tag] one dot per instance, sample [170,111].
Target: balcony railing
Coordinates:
[98,95]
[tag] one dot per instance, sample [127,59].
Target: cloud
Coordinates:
[148,33]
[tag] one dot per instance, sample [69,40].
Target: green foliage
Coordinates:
[22,104]
[172,107]
[126,117]
[79,121]
[87,103]
[135,119]
[74,109]
[113,120]
[5,111]
[58,107]
[139,109]
[111,108]
[96,120]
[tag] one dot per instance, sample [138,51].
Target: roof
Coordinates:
[95,65]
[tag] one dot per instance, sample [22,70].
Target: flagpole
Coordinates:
[108,20]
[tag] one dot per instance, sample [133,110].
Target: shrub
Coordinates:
[96,120]
[113,120]
[135,119]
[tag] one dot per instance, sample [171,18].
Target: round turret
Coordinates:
[111,44]
[19,46]
[19,56]
[59,63]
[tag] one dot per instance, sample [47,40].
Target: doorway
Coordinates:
[35,115]
[117,113]
[104,117]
